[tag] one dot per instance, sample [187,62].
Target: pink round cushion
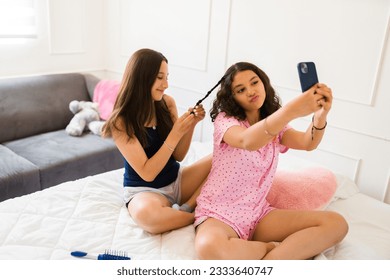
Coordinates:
[306,189]
[105,94]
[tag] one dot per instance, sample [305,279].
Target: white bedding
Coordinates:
[89,215]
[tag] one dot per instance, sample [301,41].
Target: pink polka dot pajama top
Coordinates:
[236,189]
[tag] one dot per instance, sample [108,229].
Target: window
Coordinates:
[17,20]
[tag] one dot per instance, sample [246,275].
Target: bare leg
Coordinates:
[193,178]
[153,213]
[216,240]
[304,234]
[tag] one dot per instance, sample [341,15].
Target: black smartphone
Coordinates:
[307,75]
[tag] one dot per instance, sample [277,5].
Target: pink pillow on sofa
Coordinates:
[306,189]
[105,94]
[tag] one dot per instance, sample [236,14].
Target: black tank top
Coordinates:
[167,175]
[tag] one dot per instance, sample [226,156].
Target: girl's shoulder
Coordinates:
[169,100]
[171,105]
[222,117]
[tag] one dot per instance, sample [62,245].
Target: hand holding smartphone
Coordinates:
[307,75]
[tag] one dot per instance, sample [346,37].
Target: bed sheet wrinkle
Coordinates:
[9,221]
[97,200]
[39,230]
[24,252]
[137,243]
[86,236]
[119,211]
[87,229]
[33,227]
[11,208]
[67,201]
[51,203]
[369,228]
[179,244]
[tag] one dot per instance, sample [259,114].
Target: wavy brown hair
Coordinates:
[134,105]
[225,102]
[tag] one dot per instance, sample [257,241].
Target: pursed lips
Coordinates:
[254,98]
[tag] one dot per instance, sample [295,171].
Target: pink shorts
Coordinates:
[244,228]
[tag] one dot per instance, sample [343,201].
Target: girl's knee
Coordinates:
[206,247]
[145,217]
[338,225]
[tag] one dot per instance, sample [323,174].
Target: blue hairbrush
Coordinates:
[108,255]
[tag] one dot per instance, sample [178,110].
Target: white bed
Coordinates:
[89,215]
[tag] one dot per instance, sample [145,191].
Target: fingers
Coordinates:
[198,112]
[189,119]
[186,116]
[324,97]
[320,102]
[183,123]
[318,97]
[323,90]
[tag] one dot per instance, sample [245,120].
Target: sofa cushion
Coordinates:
[91,82]
[61,157]
[34,105]
[18,176]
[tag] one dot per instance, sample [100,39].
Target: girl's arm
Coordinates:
[185,142]
[311,138]
[259,134]
[133,152]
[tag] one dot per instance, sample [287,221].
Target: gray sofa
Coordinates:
[35,151]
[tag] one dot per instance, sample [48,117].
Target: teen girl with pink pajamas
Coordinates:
[233,218]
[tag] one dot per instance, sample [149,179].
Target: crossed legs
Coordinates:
[302,235]
[153,211]
[216,240]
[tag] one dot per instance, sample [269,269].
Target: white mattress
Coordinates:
[89,215]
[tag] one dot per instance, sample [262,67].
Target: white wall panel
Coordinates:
[387,190]
[346,165]
[67,25]
[280,33]
[179,29]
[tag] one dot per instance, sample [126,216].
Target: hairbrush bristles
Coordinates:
[108,255]
[113,255]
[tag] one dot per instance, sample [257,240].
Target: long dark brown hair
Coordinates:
[225,102]
[134,106]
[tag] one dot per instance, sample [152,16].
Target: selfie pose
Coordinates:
[233,219]
[153,139]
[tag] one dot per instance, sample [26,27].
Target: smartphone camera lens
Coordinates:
[304,68]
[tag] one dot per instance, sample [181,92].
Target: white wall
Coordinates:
[348,40]
[71,38]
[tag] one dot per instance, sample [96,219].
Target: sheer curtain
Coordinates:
[17,19]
